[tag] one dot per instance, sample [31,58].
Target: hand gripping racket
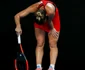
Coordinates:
[21,62]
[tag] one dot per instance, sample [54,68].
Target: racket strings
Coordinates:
[20,65]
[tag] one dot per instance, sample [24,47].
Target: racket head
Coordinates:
[21,63]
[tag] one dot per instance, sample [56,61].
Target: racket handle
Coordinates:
[19,39]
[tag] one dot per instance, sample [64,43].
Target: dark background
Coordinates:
[71,52]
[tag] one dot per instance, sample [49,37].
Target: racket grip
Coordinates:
[19,39]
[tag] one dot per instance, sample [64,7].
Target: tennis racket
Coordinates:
[21,62]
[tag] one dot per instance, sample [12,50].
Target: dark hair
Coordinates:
[38,19]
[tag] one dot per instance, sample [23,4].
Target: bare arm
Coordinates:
[51,12]
[25,12]
[50,9]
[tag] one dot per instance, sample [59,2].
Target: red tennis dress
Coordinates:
[55,20]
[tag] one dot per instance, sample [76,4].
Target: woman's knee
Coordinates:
[40,43]
[40,37]
[52,41]
[52,44]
